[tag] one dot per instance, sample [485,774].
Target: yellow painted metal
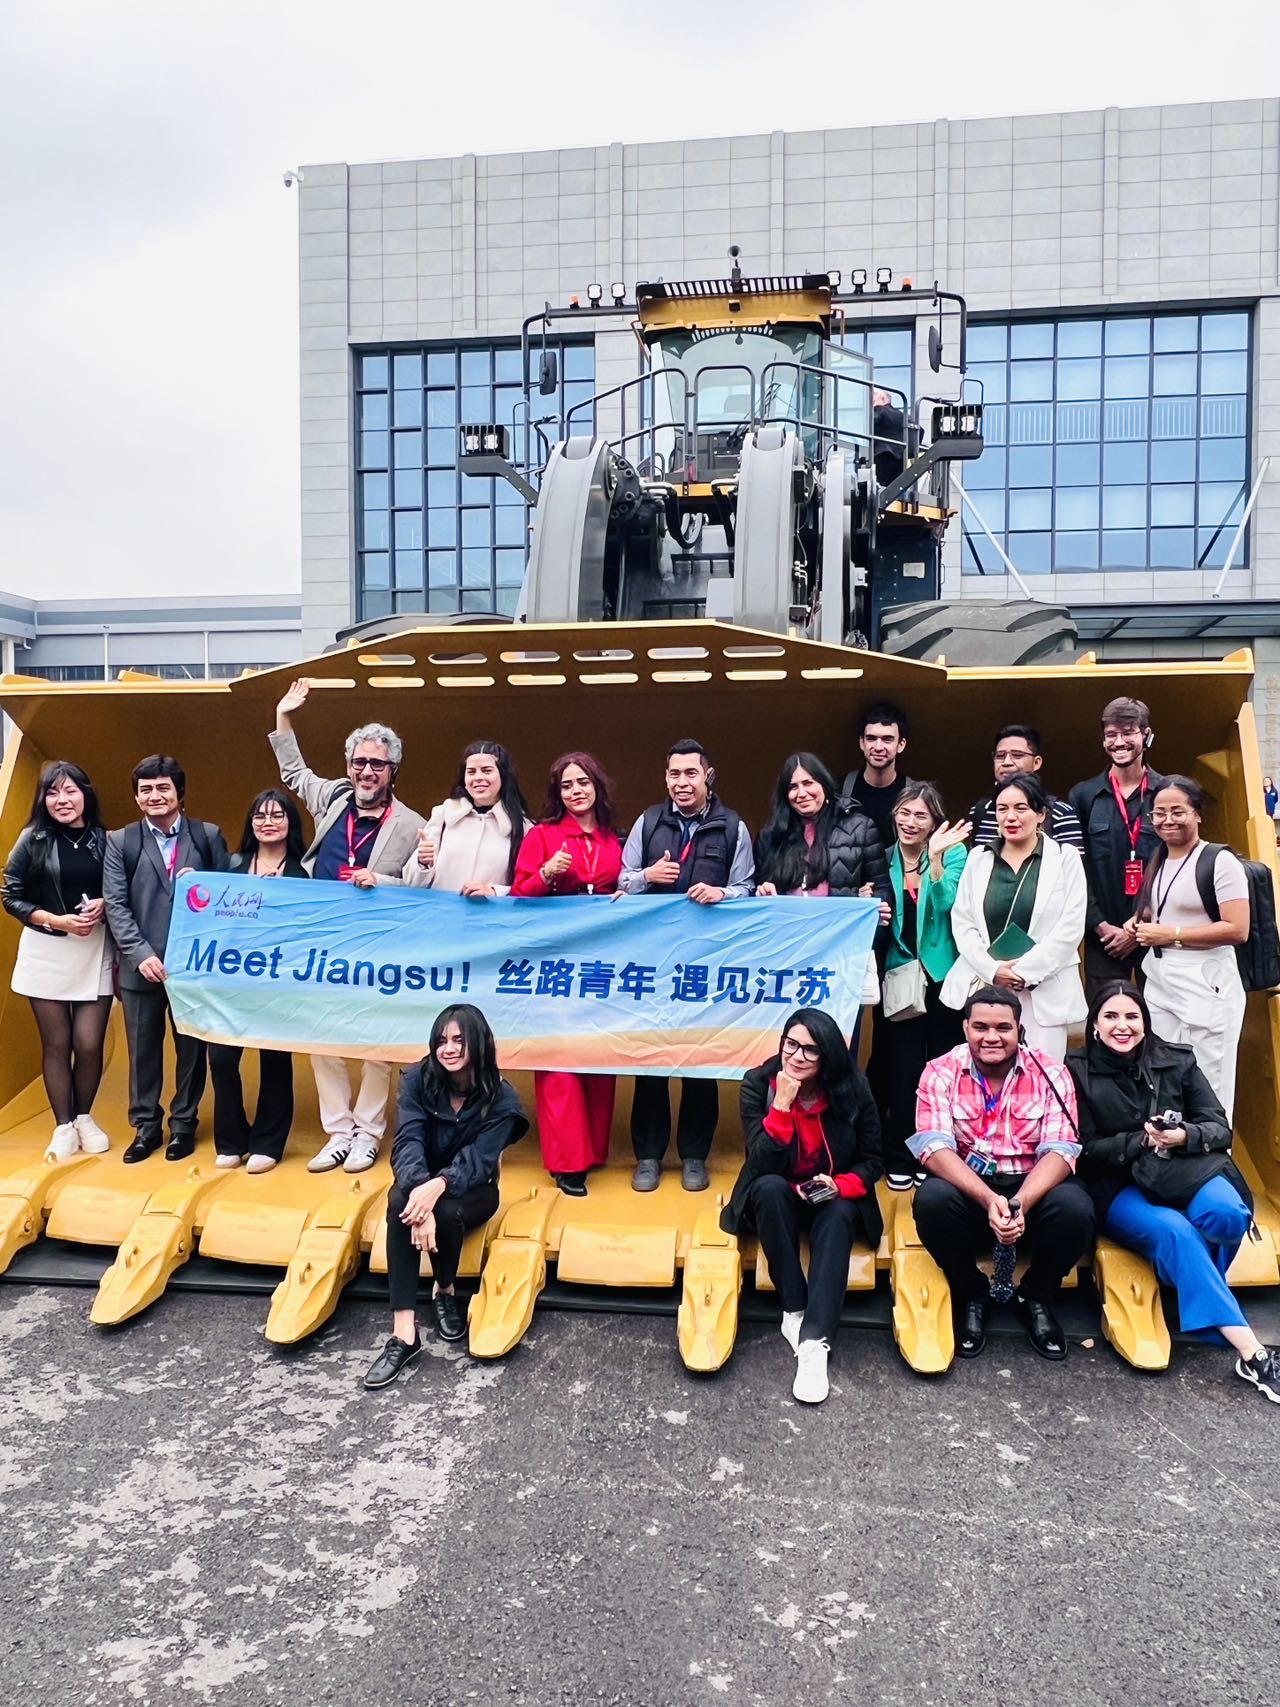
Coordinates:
[327,1256]
[724,313]
[160,1241]
[513,1276]
[751,697]
[707,1321]
[1132,1313]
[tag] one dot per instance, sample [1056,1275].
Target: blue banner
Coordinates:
[628,984]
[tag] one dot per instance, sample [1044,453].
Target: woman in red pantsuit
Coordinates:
[574,850]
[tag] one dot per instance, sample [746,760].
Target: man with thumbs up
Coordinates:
[690,845]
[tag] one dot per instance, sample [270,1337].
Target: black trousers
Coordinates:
[145,1013]
[455,1216]
[905,1046]
[780,1217]
[233,1133]
[953,1228]
[1100,968]
[651,1118]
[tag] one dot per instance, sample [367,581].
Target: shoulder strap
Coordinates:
[200,836]
[1204,878]
[131,849]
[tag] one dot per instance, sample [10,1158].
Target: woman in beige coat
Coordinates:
[470,842]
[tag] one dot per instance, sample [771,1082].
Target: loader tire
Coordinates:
[976,632]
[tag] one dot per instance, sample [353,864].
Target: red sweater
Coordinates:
[804,1125]
[596,857]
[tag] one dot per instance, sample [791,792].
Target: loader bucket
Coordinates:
[625,690]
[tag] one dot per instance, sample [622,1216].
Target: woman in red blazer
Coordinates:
[574,850]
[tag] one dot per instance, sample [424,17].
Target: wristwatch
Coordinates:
[1177,937]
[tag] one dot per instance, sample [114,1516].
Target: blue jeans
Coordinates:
[1191,1249]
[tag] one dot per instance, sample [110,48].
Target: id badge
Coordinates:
[347,872]
[1132,876]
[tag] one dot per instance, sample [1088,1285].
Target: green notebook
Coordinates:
[1012,943]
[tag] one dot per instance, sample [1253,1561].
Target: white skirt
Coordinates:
[64,968]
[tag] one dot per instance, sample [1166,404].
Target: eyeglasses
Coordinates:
[375,765]
[270,818]
[803,1051]
[1171,815]
[1110,737]
[1024,754]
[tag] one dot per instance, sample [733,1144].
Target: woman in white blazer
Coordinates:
[1019,916]
[470,842]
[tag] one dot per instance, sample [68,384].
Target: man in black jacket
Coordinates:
[690,845]
[142,860]
[1114,810]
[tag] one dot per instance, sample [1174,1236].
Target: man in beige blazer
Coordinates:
[363,836]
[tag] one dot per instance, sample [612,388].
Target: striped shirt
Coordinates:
[1010,1127]
[1062,824]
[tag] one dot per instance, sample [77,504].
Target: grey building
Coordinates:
[1121,268]
[69,640]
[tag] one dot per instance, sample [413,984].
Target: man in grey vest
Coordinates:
[363,836]
[690,845]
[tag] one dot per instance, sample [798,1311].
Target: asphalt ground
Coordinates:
[191,1515]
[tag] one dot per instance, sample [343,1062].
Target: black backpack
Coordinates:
[1259,955]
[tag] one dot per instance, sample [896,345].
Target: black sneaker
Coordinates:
[572,1185]
[1263,1371]
[451,1318]
[393,1357]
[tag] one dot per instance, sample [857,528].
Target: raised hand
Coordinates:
[949,835]
[427,847]
[294,699]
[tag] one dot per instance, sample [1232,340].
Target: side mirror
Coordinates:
[935,349]
[549,374]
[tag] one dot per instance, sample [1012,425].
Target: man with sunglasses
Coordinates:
[1018,750]
[363,836]
[1114,809]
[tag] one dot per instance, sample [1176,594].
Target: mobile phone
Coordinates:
[816,1191]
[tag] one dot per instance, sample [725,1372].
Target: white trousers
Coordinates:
[1050,1040]
[338,1116]
[1196,998]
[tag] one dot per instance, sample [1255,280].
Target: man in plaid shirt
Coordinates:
[996,1131]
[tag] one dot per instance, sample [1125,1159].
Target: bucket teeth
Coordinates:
[1132,1313]
[327,1256]
[23,1201]
[514,1273]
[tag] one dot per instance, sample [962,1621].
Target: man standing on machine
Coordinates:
[1114,810]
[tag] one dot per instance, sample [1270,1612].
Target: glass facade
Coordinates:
[427,537]
[891,349]
[1112,443]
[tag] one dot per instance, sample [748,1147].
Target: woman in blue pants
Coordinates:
[1156,1159]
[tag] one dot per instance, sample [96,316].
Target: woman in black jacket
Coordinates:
[271,845]
[455,1115]
[1156,1159]
[816,843]
[53,887]
[813,1158]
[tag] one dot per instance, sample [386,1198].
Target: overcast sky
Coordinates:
[148,317]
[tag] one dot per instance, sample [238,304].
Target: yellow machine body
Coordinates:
[626,690]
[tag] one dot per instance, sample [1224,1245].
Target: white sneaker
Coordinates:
[260,1164]
[333,1155]
[811,1385]
[900,1182]
[64,1144]
[791,1320]
[225,1159]
[364,1153]
[93,1140]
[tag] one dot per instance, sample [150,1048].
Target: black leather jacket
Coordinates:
[463,1146]
[32,879]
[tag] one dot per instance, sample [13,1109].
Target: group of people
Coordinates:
[969,1093]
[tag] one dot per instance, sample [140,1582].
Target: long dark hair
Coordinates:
[482,1054]
[1199,799]
[294,845]
[835,1068]
[510,796]
[60,770]
[1107,992]
[553,808]
[783,857]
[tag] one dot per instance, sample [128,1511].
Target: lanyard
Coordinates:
[1162,895]
[357,844]
[171,860]
[1133,828]
[592,866]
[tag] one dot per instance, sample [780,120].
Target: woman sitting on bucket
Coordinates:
[813,1158]
[455,1115]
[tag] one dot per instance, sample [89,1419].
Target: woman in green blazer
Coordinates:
[925,862]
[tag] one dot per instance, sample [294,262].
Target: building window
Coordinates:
[428,537]
[1112,443]
[891,349]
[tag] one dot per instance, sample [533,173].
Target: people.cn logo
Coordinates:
[198,898]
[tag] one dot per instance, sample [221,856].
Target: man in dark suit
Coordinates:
[142,861]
